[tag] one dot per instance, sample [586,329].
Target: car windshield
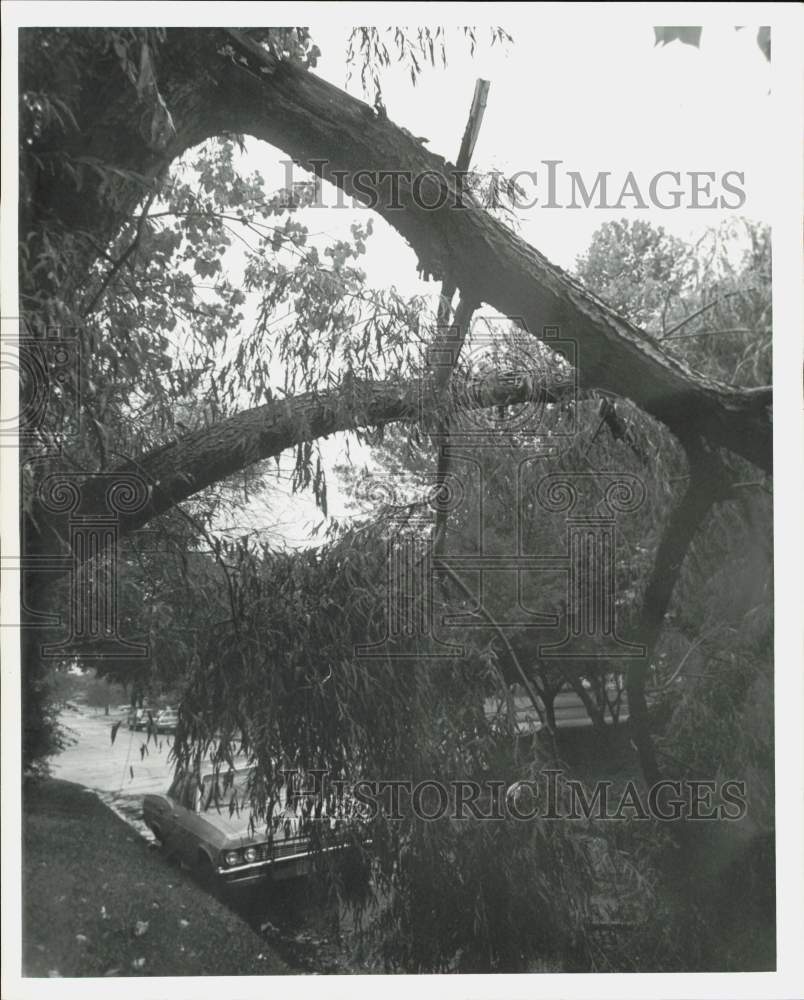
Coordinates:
[227,790]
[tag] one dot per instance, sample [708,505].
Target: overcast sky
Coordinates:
[597,100]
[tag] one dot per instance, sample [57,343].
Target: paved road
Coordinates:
[121,773]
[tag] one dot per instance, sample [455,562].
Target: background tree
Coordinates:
[710,304]
[116,244]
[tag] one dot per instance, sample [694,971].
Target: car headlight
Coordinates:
[232,858]
[251,854]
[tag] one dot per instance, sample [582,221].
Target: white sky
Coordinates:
[596,101]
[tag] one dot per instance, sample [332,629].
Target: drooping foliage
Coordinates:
[212,295]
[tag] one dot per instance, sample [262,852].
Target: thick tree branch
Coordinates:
[313,121]
[211,92]
[445,354]
[177,471]
[708,485]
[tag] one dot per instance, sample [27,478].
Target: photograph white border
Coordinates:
[786,66]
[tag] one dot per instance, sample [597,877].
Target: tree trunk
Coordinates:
[212,84]
[178,470]
[709,483]
[593,709]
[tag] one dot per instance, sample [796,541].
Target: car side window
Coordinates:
[190,792]
[182,791]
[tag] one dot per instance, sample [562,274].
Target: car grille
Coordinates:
[284,848]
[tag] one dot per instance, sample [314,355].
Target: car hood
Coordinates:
[236,830]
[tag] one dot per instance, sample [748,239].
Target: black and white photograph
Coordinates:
[393,579]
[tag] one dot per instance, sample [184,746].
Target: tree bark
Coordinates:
[709,484]
[212,84]
[178,470]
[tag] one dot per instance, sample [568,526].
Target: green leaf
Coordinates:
[764,41]
[686,35]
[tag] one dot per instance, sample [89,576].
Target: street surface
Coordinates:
[300,928]
[120,773]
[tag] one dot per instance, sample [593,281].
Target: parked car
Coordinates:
[568,707]
[205,821]
[138,718]
[166,720]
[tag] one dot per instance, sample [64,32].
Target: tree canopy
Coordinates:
[651,359]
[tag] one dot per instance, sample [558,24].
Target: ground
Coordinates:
[99,901]
[291,927]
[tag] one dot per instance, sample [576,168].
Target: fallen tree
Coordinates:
[216,81]
[129,122]
[185,466]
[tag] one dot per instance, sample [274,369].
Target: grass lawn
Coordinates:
[98,901]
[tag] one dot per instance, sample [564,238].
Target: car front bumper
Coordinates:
[273,869]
